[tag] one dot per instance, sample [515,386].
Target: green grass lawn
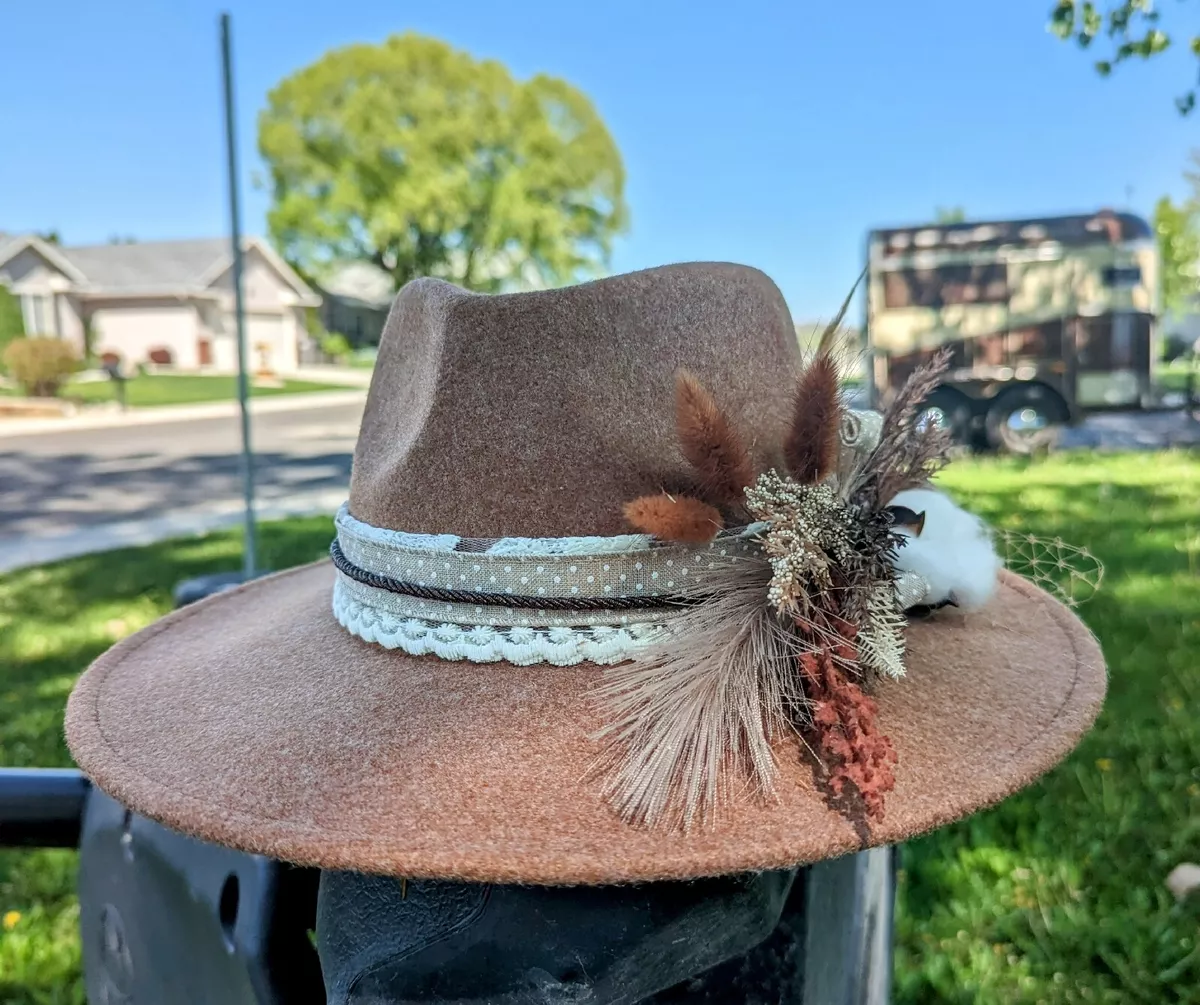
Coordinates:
[1054,896]
[1174,376]
[181,389]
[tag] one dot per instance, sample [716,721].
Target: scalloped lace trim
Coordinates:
[485,644]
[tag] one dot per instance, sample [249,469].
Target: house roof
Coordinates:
[13,244]
[156,265]
[151,267]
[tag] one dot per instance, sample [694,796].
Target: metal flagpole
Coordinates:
[249,545]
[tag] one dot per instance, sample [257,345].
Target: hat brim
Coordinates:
[254,720]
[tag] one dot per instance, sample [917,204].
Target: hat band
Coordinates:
[527,600]
[522,600]
[449,596]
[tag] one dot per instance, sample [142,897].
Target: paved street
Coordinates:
[134,482]
[68,492]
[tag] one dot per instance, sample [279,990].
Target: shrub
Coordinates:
[40,364]
[335,346]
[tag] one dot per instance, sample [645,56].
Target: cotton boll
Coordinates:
[953,552]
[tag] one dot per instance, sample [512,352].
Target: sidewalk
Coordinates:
[20,552]
[182,413]
[350,376]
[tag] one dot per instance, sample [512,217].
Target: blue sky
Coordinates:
[769,133]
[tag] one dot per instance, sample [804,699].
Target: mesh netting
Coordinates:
[1070,573]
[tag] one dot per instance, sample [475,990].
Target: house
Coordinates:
[166,302]
[355,299]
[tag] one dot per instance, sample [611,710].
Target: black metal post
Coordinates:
[41,807]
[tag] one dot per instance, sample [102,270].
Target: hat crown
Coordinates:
[541,414]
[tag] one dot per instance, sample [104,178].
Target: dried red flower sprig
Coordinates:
[845,726]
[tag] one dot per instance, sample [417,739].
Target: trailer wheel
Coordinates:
[1025,419]
[948,409]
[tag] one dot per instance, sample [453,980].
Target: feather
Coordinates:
[710,442]
[907,456]
[880,638]
[674,518]
[686,715]
[828,343]
[811,448]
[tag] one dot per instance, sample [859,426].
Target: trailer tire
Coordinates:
[1025,419]
[949,409]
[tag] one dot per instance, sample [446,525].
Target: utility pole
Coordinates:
[249,546]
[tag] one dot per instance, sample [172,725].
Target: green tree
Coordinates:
[12,323]
[424,161]
[1176,227]
[1132,28]
[949,214]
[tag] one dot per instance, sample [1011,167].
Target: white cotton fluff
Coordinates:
[954,551]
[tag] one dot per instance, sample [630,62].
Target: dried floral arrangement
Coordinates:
[793,638]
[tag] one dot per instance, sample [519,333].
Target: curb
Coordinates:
[181,413]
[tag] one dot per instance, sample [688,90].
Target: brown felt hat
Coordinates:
[255,719]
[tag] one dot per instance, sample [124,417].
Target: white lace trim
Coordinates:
[485,644]
[532,547]
[398,538]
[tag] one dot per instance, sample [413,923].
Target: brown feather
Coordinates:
[811,449]
[710,443]
[674,518]
[907,456]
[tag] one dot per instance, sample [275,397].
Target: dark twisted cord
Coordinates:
[481,599]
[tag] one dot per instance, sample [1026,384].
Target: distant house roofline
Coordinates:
[308,296]
[21,242]
[197,264]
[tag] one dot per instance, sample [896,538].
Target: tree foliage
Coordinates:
[1132,28]
[949,214]
[12,322]
[1177,226]
[424,161]
[1178,232]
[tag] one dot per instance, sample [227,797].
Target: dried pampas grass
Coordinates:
[907,457]
[711,444]
[811,448]
[675,518]
[687,715]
